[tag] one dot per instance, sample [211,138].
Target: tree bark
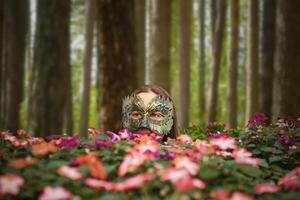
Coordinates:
[213,16]
[116,64]
[160,43]
[87,63]
[286,93]
[140,17]
[233,64]
[217,50]
[267,57]
[16,26]
[1,62]
[252,61]
[185,10]
[201,66]
[51,67]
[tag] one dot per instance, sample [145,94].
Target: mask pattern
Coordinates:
[158,104]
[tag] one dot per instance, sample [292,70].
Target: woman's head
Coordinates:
[150,108]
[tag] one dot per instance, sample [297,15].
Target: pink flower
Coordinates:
[68,141]
[92,132]
[69,172]
[125,134]
[181,179]
[266,188]
[241,155]
[224,143]
[55,193]
[259,118]
[185,139]
[291,180]
[10,184]
[98,184]
[113,137]
[240,196]
[186,163]
[133,182]
[220,194]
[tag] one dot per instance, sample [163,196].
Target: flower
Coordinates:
[133,182]
[181,179]
[224,143]
[220,194]
[10,184]
[55,193]
[100,143]
[259,118]
[113,137]
[286,141]
[185,163]
[98,184]
[291,180]
[19,163]
[69,172]
[240,196]
[169,155]
[241,155]
[266,188]
[185,139]
[21,132]
[68,141]
[92,132]
[215,135]
[125,134]
[44,148]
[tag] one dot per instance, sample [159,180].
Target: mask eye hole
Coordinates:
[136,115]
[156,116]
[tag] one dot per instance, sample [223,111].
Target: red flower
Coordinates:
[10,184]
[266,188]
[185,163]
[185,139]
[220,194]
[240,196]
[291,180]
[19,163]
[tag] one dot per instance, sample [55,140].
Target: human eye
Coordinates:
[136,115]
[156,116]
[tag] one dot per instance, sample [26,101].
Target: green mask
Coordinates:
[157,117]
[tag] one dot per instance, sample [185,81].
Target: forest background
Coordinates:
[66,65]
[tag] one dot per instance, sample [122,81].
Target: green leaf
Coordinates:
[208,172]
[275,159]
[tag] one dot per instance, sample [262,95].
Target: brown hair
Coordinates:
[162,92]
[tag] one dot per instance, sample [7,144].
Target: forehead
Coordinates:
[147,97]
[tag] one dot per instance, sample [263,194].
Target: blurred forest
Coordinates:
[65,65]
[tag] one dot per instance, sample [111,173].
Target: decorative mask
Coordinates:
[157,116]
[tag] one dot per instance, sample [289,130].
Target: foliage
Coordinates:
[125,165]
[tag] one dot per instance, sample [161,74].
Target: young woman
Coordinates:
[150,109]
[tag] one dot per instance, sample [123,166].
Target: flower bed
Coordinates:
[205,163]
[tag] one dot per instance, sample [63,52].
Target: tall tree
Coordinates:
[201,67]
[160,43]
[50,68]
[252,60]
[140,17]
[117,66]
[233,64]
[267,56]
[1,62]
[213,16]
[286,93]
[217,50]
[16,19]
[185,10]
[87,64]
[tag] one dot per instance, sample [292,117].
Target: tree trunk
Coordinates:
[217,50]
[286,93]
[87,63]
[252,61]
[16,26]
[213,16]
[160,43]
[233,64]
[140,17]
[201,67]
[116,64]
[1,62]
[267,57]
[51,67]
[185,10]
